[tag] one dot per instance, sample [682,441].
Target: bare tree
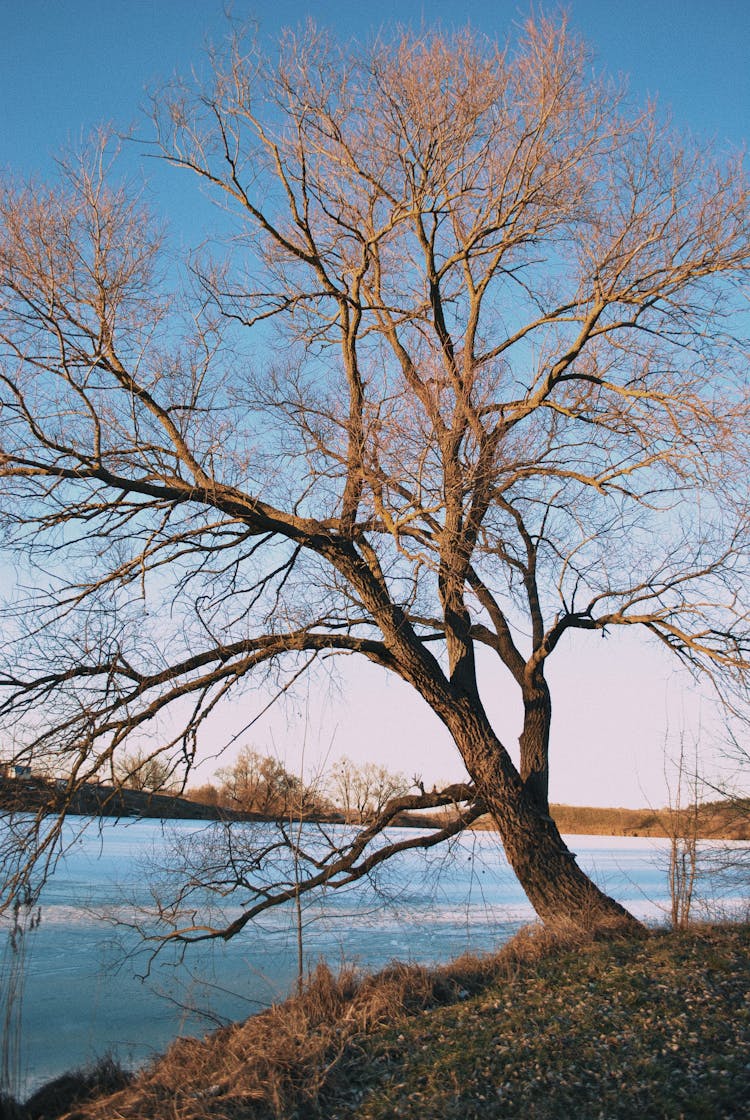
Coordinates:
[464,370]
[363,791]
[259,783]
[682,822]
[144,772]
[206,794]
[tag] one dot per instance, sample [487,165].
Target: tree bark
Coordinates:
[534,742]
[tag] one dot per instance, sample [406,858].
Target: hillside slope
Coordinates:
[548,1029]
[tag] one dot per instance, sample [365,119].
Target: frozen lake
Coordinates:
[86,985]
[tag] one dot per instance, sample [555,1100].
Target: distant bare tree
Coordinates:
[259,783]
[206,794]
[465,370]
[142,771]
[363,791]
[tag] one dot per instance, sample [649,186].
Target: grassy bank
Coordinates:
[656,1030]
[717,820]
[547,1028]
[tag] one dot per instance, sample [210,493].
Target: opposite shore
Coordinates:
[718,820]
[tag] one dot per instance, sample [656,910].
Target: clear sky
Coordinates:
[67,65]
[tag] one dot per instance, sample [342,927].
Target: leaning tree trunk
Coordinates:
[560,892]
[534,740]
[556,887]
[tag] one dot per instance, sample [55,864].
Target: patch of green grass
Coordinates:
[658,1029]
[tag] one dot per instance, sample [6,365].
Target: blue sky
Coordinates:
[67,65]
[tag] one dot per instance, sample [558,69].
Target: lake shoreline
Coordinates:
[728,820]
[548,1025]
[80,1001]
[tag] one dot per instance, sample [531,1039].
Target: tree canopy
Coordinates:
[465,368]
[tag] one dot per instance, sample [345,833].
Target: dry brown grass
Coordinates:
[288,1059]
[276,1062]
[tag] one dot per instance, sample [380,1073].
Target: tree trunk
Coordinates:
[560,892]
[534,742]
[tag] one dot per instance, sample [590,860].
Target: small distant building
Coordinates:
[14,770]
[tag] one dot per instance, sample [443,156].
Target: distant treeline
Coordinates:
[32,794]
[718,820]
